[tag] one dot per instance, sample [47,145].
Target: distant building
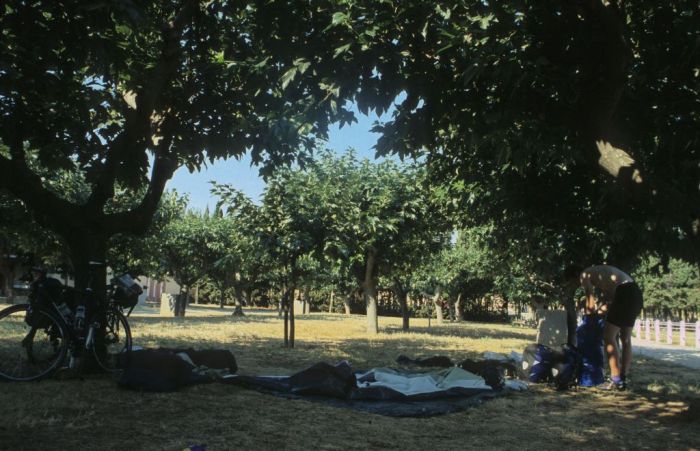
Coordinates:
[12,269]
[154,289]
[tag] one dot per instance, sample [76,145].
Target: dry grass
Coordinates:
[661,412]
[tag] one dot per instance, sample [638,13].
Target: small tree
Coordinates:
[186,249]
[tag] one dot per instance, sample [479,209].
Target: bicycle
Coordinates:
[36,338]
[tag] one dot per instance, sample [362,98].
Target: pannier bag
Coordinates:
[126,291]
[560,367]
[43,293]
[537,363]
[565,371]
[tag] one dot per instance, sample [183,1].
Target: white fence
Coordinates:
[666,332]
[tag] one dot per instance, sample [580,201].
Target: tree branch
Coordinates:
[138,219]
[137,130]
[49,210]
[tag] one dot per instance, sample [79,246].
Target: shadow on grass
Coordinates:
[475,333]
[201,320]
[668,386]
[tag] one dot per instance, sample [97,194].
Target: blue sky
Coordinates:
[241,175]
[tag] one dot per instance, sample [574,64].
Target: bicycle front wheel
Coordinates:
[112,349]
[33,343]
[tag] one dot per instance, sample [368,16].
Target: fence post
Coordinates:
[669,332]
[647,329]
[657,330]
[697,334]
[638,329]
[682,333]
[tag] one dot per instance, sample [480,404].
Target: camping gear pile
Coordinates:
[407,391]
[566,366]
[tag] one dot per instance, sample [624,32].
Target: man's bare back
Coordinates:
[606,278]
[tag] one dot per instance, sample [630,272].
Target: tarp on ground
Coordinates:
[381,390]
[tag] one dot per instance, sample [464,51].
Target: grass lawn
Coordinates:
[661,411]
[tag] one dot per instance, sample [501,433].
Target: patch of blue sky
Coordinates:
[243,176]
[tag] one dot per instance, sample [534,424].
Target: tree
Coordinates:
[141,255]
[188,247]
[574,116]
[421,235]
[241,260]
[465,269]
[379,221]
[294,231]
[121,95]
[671,288]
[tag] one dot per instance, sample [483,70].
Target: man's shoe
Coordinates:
[614,386]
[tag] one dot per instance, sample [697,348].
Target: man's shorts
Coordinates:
[627,305]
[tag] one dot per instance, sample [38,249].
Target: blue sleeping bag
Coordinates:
[589,337]
[538,361]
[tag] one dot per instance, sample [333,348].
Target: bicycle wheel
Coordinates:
[33,352]
[111,350]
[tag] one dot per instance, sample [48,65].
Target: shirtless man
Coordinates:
[622,300]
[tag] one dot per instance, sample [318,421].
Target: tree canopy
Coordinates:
[579,117]
[120,95]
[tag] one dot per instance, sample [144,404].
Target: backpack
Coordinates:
[558,367]
[537,363]
[566,369]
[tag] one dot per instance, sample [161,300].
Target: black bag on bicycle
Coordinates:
[43,293]
[126,291]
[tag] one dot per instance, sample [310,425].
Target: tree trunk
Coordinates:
[369,289]
[222,297]
[291,320]
[330,302]
[438,309]
[346,303]
[402,296]
[287,304]
[570,307]
[286,321]
[281,303]
[305,301]
[10,286]
[238,309]
[185,303]
[196,294]
[176,302]
[459,316]
[85,248]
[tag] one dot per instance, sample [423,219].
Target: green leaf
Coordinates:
[302,64]
[123,29]
[262,63]
[288,77]
[339,18]
[424,31]
[342,49]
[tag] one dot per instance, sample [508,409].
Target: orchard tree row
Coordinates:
[342,230]
[574,124]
